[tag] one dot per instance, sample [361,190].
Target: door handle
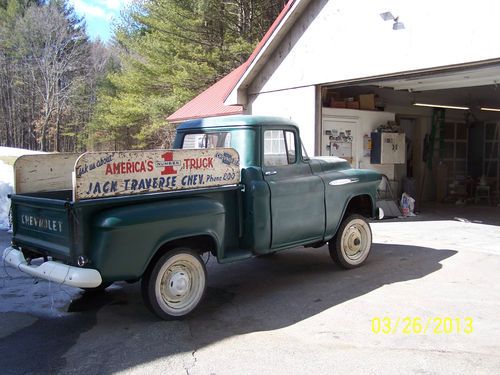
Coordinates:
[270,173]
[343,181]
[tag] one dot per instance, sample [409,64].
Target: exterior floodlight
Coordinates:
[387,16]
[398,25]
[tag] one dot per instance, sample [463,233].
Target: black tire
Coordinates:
[100,288]
[352,244]
[267,255]
[175,285]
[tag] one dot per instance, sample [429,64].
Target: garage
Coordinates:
[351,77]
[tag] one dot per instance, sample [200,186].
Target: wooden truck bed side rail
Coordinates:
[44,172]
[109,174]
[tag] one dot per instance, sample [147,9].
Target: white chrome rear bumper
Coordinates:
[54,271]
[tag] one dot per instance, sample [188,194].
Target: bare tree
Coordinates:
[55,52]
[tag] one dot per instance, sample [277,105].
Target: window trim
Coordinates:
[287,149]
[283,129]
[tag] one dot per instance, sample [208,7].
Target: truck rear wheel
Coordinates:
[175,285]
[352,243]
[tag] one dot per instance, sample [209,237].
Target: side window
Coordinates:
[279,147]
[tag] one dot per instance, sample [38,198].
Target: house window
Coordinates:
[454,150]
[279,147]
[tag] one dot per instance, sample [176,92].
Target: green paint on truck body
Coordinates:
[273,208]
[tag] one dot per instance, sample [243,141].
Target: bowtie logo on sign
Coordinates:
[168,163]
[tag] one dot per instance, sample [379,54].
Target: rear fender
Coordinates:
[126,239]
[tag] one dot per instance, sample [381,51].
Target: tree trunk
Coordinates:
[58,130]
[43,129]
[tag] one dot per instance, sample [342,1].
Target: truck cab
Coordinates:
[292,201]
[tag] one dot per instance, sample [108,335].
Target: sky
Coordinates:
[99,15]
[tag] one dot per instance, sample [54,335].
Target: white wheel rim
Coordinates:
[356,241]
[180,284]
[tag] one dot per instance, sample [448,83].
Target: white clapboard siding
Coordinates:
[44,172]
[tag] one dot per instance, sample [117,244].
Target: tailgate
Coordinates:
[42,225]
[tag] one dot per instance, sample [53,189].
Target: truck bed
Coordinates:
[59,196]
[51,224]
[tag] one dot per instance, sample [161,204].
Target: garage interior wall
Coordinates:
[452,163]
[360,124]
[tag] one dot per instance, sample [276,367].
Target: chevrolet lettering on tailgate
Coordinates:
[42,223]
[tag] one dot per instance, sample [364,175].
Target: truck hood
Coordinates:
[330,163]
[340,169]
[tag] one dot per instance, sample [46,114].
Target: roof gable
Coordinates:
[321,45]
[290,13]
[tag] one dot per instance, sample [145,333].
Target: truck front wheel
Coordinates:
[175,285]
[352,243]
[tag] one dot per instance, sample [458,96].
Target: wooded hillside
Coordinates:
[61,91]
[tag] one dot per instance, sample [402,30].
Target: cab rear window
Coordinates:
[207,140]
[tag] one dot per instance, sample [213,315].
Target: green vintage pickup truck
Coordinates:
[234,187]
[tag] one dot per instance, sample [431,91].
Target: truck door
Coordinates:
[297,196]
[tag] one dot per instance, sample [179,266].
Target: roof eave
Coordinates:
[238,95]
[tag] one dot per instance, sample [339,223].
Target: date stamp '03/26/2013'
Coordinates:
[414,325]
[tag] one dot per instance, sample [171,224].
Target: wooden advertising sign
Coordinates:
[107,174]
[44,172]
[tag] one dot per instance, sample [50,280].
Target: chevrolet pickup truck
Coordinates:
[234,187]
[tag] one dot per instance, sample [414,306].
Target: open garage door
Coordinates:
[463,147]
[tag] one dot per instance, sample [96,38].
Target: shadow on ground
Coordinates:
[114,331]
[479,214]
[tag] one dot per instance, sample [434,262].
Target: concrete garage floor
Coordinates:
[292,313]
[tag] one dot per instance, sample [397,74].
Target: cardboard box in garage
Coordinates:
[337,104]
[367,101]
[352,104]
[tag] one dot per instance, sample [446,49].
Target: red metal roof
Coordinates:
[211,101]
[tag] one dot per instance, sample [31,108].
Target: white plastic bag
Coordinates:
[407,205]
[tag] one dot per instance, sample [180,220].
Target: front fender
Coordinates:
[341,188]
[126,238]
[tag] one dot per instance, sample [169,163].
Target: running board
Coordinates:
[236,255]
